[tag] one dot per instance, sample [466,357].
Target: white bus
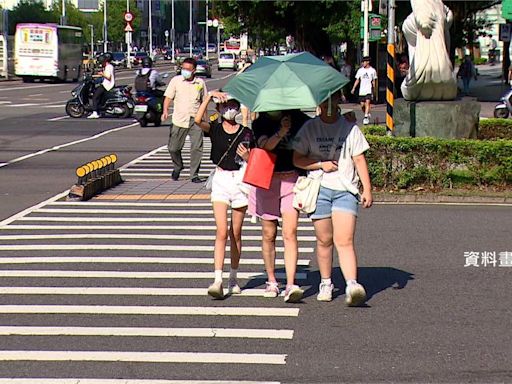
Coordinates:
[47,51]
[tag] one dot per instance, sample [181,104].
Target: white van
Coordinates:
[227,60]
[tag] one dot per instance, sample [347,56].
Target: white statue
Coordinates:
[426,30]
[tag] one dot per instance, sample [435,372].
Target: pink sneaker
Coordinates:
[272,289]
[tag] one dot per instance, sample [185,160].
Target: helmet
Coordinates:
[108,57]
[147,62]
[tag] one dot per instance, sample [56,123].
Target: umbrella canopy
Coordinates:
[292,81]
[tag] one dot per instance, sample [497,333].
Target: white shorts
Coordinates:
[226,189]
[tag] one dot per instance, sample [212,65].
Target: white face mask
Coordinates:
[186,74]
[229,113]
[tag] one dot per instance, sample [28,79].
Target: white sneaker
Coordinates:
[272,289]
[293,294]
[234,288]
[355,295]
[93,115]
[215,290]
[325,292]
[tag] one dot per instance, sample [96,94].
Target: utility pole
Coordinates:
[63,17]
[390,84]
[92,41]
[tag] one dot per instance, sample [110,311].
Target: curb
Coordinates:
[441,199]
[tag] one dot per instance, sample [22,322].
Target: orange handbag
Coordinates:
[260,168]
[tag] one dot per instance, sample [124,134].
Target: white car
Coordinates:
[227,60]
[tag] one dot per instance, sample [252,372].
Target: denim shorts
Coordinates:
[330,200]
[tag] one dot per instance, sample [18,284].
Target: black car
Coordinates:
[137,58]
[119,59]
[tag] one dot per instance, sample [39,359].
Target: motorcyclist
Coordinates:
[154,80]
[107,82]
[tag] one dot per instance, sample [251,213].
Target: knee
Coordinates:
[221,234]
[345,242]
[268,237]
[290,235]
[324,242]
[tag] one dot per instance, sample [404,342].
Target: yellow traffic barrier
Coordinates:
[94,177]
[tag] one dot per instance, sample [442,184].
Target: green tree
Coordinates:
[28,11]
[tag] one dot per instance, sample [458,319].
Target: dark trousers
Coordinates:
[96,97]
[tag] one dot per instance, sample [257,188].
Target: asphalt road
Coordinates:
[428,319]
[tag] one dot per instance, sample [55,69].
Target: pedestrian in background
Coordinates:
[275,132]
[107,83]
[231,143]
[187,92]
[334,147]
[366,79]
[467,72]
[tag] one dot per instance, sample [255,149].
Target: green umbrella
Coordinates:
[292,81]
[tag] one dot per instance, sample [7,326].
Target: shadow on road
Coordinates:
[374,280]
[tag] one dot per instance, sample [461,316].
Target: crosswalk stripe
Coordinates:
[144,357]
[134,227]
[135,274]
[130,204]
[147,332]
[130,219]
[121,291]
[125,381]
[132,260]
[132,247]
[149,310]
[207,212]
[133,236]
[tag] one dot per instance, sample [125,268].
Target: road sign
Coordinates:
[128,28]
[505,32]
[128,17]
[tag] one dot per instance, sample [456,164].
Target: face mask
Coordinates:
[186,74]
[274,115]
[229,113]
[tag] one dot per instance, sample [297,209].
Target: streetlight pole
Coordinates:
[366,45]
[390,84]
[150,29]
[172,32]
[63,19]
[92,40]
[190,29]
[105,26]
[206,24]
[128,40]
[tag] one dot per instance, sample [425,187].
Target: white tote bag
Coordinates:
[306,191]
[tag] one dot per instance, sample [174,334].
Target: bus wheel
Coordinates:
[28,79]
[75,110]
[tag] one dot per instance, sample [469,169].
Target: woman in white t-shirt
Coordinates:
[107,83]
[342,167]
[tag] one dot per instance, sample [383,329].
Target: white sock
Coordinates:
[327,281]
[218,275]
[232,274]
[350,282]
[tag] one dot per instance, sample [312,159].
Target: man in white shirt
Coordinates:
[366,78]
[108,82]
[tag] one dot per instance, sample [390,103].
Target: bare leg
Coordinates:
[268,247]
[344,228]
[324,244]
[221,221]
[291,252]
[235,235]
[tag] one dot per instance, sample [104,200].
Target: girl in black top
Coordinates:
[231,143]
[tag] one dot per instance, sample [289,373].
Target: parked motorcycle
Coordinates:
[116,102]
[504,108]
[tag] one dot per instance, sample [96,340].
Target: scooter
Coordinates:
[116,102]
[149,106]
[504,108]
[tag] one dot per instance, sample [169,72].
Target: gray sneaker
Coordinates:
[216,291]
[355,295]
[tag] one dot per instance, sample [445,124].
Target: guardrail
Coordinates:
[95,177]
